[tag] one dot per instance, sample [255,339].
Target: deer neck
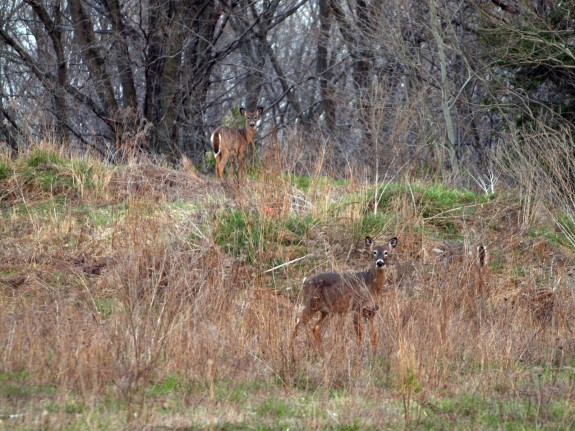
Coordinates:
[375,278]
[249,134]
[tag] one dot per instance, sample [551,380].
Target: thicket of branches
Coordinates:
[432,86]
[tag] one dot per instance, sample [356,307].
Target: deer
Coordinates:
[450,252]
[476,260]
[232,142]
[339,293]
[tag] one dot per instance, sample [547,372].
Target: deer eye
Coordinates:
[385,253]
[375,253]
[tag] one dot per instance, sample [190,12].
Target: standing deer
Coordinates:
[338,293]
[231,142]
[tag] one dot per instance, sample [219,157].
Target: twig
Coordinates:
[288,263]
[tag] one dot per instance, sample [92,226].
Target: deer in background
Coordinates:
[339,293]
[468,259]
[231,142]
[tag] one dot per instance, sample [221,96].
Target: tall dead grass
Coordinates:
[113,309]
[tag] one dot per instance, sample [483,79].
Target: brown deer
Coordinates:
[338,293]
[231,142]
[450,253]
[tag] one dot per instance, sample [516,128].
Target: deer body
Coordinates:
[338,293]
[229,142]
[335,293]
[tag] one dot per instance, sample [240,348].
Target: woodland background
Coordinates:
[431,87]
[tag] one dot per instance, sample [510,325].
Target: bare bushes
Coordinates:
[396,140]
[162,302]
[540,161]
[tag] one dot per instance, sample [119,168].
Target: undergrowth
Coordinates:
[139,296]
[251,235]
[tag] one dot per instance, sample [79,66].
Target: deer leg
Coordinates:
[372,332]
[224,156]
[218,161]
[303,319]
[240,164]
[317,330]
[357,324]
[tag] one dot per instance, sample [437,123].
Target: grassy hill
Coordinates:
[139,296]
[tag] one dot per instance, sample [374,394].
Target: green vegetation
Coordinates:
[105,307]
[431,200]
[47,170]
[473,410]
[18,385]
[566,237]
[274,408]
[439,208]
[238,232]
[5,170]
[305,182]
[170,384]
[248,234]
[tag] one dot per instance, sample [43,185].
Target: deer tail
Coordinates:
[215,139]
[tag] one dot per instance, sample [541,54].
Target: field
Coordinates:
[139,296]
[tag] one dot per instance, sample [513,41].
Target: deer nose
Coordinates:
[379,263]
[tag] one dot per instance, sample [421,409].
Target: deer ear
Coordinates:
[242,111]
[393,242]
[260,110]
[368,242]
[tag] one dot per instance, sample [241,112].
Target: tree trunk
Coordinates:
[96,64]
[177,75]
[323,69]
[54,29]
[445,93]
[199,61]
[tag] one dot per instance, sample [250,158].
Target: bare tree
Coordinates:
[124,73]
[431,85]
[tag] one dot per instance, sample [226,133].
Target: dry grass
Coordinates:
[127,303]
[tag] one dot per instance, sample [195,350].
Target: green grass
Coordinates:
[101,216]
[105,307]
[170,384]
[305,183]
[566,238]
[242,233]
[370,224]
[275,408]
[239,392]
[472,411]
[265,406]
[431,199]
[209,162]
[299,225]
[47,170]
[54,206]
[440,208]
[5,170]
[44,169]
[497,261]
[19,385]
[239,233]
[75,407]
[225,390]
